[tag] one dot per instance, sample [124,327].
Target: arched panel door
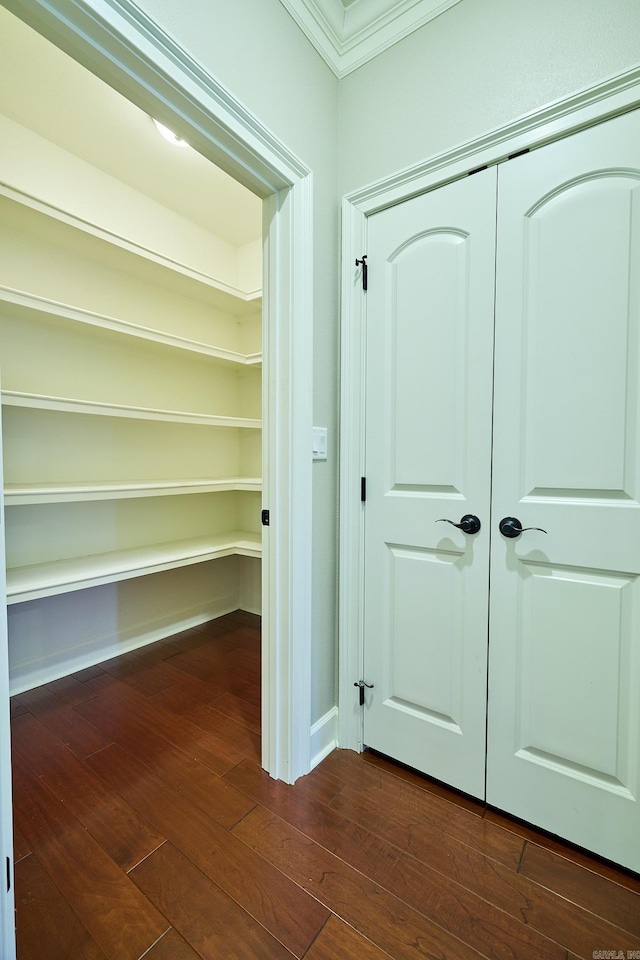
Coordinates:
[428,448]
[564,674]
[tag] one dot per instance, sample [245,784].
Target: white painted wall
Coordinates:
[479,65]
[256,50]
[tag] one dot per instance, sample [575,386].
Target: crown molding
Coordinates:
[346,36]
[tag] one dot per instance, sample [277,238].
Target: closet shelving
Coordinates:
[132,446]
[18,494]
[35,581]
[22,304]
[12,398]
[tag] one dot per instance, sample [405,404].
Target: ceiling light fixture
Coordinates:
[170,135]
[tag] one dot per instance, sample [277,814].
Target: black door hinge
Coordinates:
[365,270]
[363,488]
[361,684]
[8,875]
[265,518]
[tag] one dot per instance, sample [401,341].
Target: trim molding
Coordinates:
[592,105]
[558,119]
[348,36]
[120,44]
[324,737]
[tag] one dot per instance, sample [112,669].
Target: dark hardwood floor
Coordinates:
[145,827]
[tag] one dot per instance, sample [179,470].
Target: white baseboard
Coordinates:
[52,665]
[251,605]
[324,737]
[250,585]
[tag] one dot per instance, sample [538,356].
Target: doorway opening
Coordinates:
[154,73]
[130,331]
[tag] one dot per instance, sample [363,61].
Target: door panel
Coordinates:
[564,709]
[424,586]
[428,448]
[554,686]
[427,313]
[578,250]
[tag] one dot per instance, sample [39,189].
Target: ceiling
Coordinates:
[348,33]
[48,92]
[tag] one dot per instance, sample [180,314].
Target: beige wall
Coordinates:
[477,66]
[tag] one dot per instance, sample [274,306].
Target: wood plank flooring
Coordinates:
[145,827]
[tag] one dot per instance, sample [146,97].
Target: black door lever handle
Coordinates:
[511,527]
[468,524]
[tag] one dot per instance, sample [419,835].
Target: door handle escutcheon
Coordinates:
[511,527]
[468,524]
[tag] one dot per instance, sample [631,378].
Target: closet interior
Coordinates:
[130,346]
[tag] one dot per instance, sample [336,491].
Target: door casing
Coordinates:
[552,122]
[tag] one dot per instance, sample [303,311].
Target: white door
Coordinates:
[564,681]
[563,744]
[428,450]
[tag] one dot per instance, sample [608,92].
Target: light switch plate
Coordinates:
[319,443]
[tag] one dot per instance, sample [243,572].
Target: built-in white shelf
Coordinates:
[65,576]
[30,305]
[19,494]
[115,330]
[226,296]
[68,405]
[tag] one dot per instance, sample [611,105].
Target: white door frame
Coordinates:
[120,44]
[561,118]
